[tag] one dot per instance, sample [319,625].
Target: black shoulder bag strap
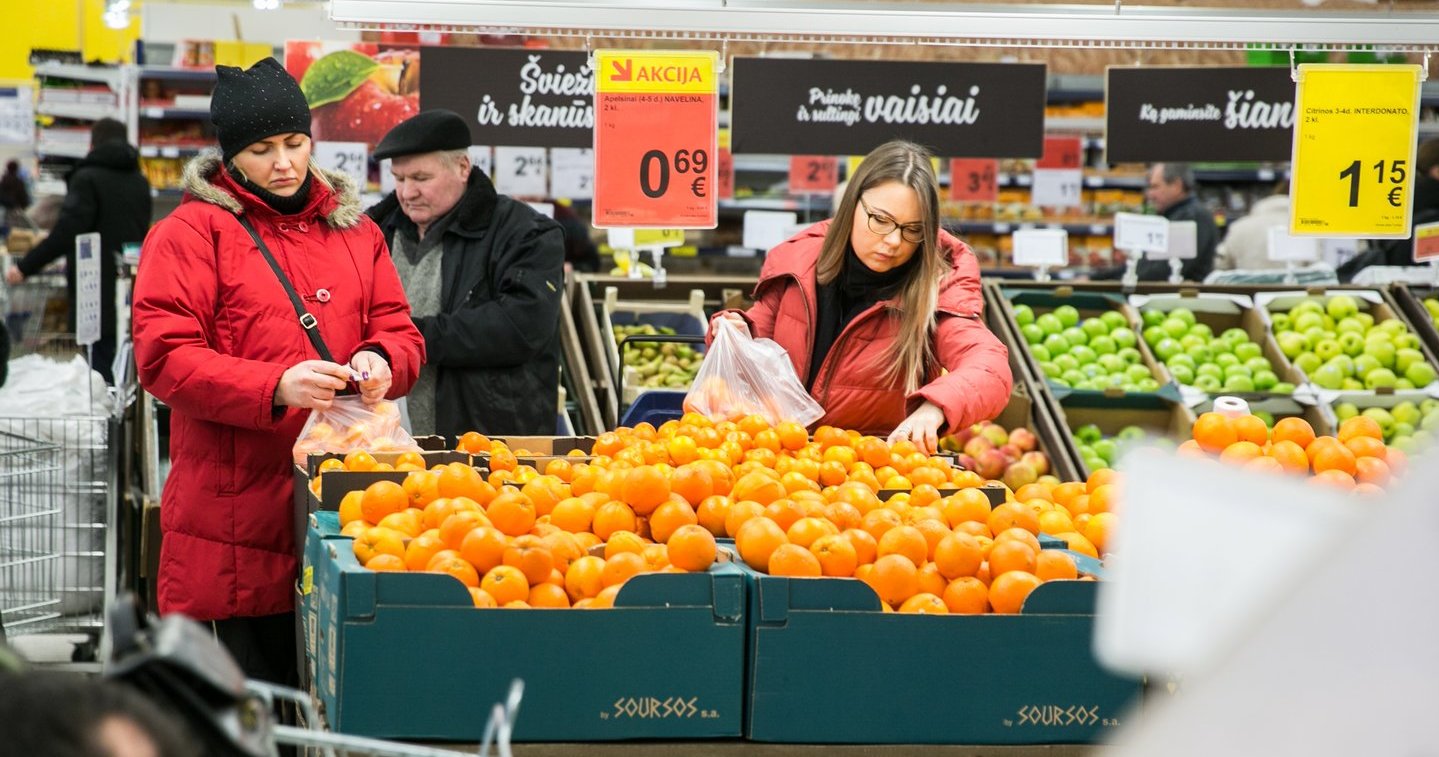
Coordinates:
[307,320]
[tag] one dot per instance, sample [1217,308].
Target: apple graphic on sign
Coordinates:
[356,98]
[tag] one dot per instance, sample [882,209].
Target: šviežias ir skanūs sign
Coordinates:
[787,106]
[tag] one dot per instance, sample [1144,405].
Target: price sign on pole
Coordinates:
[1057,188]
[572,173]
[1354,144]
[1426,243]
[521,171]
[656,177]
[1041,247]
[813,174]
[387,178]
[483,158]
[87,288]
[973,180]
[350,158]
[1135,232]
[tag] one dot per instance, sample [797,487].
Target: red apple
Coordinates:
[1011,451]
[966,462]
[1024,439]
[977,446]
[1019,474]
[991,464]
[389,96]
[1038,460]
[996,435]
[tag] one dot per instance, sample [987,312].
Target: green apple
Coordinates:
[1403,429]
[1023,315]
[1167,348]
[1130,434]
[1040,353]
[1201,330]
[1404,384]
[1366,319]
[1316,334]
[1268,418]
[1152,335]
[1365,364]
[1103,345]
[1382,417]
[1350,325]
[1247,350]
[1265,381]
[1351,385]
[1239,384]
[1201,354]
[1066,362]
[1351,344]
[1208,383]
[1392,326]
[1225,359]
[1237,370]
[1060,382]
[1075,335]
[1183,314]
[1137,373]
[1147,385]
[1283,387]
[1067,315]
[1113,363]
[1123,336]
[1191,340]
[1407,341]
[1280,321]
[1308,362]
[1405,357]
[1345,410]
[1073,376]
[1152,317]
[1257,364]
[1056,344]
[1050,323]
[1428,405]
[1083,354]
[1383,351]
[1328,349]
[1182,373]
[1344,363]
[1095,327]
[1406,412]
[1305,321]
[1113,319]
[1104,448]
[1235,335]
[1049,369]
[1174,327]
[1088,433]
[1341,306]
[1421,374]
[1291,344]
[1328,377]
[1430,422]
[1130,355]
[1307,306]
[1380,378]
[1181,359]
[1032,332]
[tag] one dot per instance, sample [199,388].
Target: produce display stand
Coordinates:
[1410,300]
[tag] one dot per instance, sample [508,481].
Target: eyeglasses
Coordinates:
[883,225]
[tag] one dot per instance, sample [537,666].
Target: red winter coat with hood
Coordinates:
[213,332]
[849,384]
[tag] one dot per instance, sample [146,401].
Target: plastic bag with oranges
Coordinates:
[744,376]
[349,424]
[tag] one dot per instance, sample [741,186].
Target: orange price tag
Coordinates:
[656,122]
[813,174]
[973,180]
[1062,152]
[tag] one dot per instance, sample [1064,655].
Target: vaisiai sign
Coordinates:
[848,107]
[531,98]
[1198,114]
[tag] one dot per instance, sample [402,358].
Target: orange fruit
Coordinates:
[739,513]
[757,540]
[421,549]
[483,547]
[907,541]
[1335,478]
[532,559]
[795,561]
[354,528]
[548,595]
[1008,591]
[1101,477]
[1054,521]
[624,541]
[611,517]
[512,513]
[784,512]
[894,578]
[1010,555]
[836,555]
[460,480]
[1051,564]
[792,436]
[806,531]
[1190,448]
[585,578]
[924,604]
[1290,455]
[1296,430]
[386,563]
[866,547]
[933,530]
[966,595]
[1077,542]
[880,521]
[1214,432]
[454,528]
[1267,465]
[456,567]
[573,514]
[406,522]
[1326,454]
[621,567]
[359,460]
[843,515]
[668,517]
[1103,498]
[606,598]
[958,555]
[693,482]
[692,547]
[423,487]
[544,492]
[758,487]
[1012,515]
[1099,531]
[506,584]
[382,498]
[1237,453]
[1366,446]
[330,464]
[473,442]
[1250,428]
[1371,470]
[350,508]
[967,505]
[645,488]
[1018,534]
[930,581]
[481,598]
[1360,425]
[711,513]
[1398,461]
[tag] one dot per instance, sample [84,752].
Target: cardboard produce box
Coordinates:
[1372,301]
[1410,300]
[1222,312]
[407,656]
[1156,415]
[1027,679]
[1090,304]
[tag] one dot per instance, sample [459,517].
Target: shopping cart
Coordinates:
[38,318]
[30,525]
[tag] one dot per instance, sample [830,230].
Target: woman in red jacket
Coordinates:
[217,339]
[873,303]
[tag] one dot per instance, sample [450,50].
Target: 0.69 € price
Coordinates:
[656,166]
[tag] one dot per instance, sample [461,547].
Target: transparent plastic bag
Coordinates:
[743,376]
[349,424]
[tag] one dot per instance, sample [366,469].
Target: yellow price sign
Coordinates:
[1354,140]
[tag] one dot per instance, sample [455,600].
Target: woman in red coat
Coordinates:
[217,339]
[873,303]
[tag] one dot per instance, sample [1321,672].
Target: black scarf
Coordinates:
[853,291]
[285,206]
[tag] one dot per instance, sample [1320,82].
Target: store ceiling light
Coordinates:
[117,14]
[888,22]
[267,5]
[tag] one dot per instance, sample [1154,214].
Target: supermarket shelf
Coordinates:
[177,74]
[801,205]
[107,75]
[168,151]
[1094,227]
[1075,124]
[155,112]
[63,149]
[78,111]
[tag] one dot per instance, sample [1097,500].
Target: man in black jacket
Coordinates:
[484,275]
[106,193]
[1171,192]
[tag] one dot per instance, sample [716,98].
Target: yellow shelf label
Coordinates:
[1354,143]
[657,72]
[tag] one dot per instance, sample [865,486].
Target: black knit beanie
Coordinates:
[250,105]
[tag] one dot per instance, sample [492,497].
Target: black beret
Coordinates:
[427,131]
[250,105]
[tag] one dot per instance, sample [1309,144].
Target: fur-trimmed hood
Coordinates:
[205,180]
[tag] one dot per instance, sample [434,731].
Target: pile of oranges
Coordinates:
[1356,460]
[656,499]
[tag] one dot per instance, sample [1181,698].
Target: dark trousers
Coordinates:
[264,646]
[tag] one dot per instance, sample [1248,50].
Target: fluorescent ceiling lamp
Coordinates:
[875,21]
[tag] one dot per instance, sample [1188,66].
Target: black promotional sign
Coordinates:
[528,98]
[1198,114]
[848,107]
